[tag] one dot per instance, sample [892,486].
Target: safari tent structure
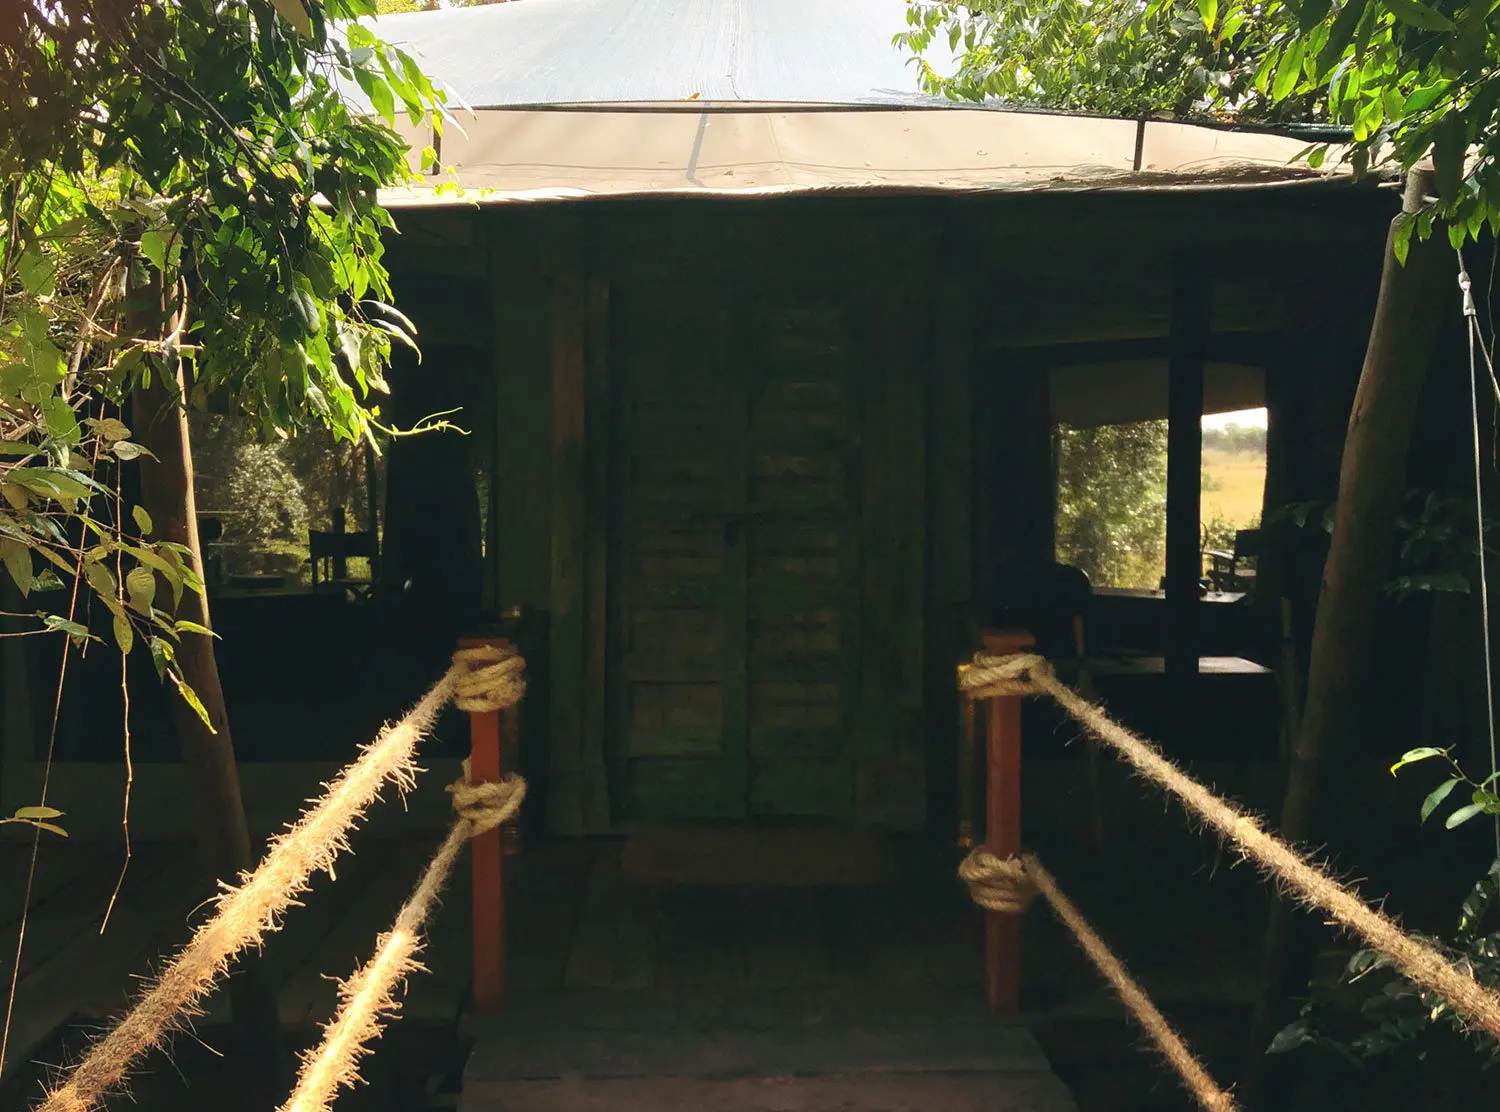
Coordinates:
[761,351]
[774,346]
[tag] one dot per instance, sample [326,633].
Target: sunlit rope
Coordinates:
[1027,674]
[1009,884]
[244,914]
[368,998]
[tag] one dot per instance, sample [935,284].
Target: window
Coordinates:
[1234,486]
[263,499]
[1112,502]
[1112,498]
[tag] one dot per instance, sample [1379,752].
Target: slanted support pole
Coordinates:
[1002,827]
[487,852]
[1191,305]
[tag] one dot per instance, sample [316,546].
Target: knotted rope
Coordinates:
[245,913]
[488,678]
[367,1000]
[991,676]
[1029,674]
[997,884]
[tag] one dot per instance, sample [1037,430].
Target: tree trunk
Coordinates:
[208,762]
[1372,481]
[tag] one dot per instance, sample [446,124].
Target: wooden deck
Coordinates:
[626,993]
[632,995]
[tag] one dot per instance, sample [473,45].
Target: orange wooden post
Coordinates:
[1002,827]
[487,854]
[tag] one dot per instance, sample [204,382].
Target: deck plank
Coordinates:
[615,945]
[1032,1092]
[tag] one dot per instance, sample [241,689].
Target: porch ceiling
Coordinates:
[511,155]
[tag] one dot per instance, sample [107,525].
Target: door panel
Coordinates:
[803,601]
[676,708]
[737,579]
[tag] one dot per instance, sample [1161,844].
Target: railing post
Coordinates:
[487,853]
[1002,827]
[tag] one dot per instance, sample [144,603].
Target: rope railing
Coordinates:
[368,998]
[1003,884]
[481,679]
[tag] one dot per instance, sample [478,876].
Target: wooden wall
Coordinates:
[967,301]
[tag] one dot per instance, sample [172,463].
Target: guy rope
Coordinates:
[1008,885]
[481,679]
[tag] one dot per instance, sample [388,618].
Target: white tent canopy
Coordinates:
[603,98]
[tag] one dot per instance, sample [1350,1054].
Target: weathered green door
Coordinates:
[735,594]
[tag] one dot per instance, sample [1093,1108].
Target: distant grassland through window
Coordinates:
[1112,494]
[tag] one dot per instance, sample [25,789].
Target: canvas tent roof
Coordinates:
[612,98]
[552,52]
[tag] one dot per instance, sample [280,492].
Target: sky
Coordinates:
[1243,418]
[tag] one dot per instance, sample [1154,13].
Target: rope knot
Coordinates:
[488,678]
[1018,674]
[997,884]
[487,805]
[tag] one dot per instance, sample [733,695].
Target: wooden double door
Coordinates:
[735,540]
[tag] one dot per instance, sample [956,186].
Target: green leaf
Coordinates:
[142,520]
[1449,146]
[375,87]
[1312,14]
[190,697]
[1412,756]
[111,430]
[1419,15]
[124,633]
[1463,815]
[1288,71]
[62,422]
[1424,98]
[161,656]
[1209,10]
[170,571]
[77,632]
[37,272]
[185,626]
[1406,223]
[38,813]
[1340,35]
[1438,794]
[140,587]
[51,828]
[17,558]
[129,450]
[154,247]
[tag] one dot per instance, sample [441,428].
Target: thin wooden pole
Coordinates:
[1002,830]
[1192,288]
[487,852]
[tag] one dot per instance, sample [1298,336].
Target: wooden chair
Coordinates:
[329,554]
[1229,571]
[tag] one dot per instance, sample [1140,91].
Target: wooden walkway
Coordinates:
[625,993]
[635,996]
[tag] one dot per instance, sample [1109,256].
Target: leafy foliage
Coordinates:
[1387,1011]
[183,183]
[1407,79]
[1112,502]
[1435,537]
